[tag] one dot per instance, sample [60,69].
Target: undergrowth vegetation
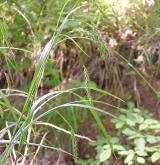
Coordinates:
[136,140]
[68,65]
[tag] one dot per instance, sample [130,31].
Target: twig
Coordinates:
[43,138]
[63,130]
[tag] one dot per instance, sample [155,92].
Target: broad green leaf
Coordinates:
[130,163]
[139,119]
[122,110]
[130,122]
[128,132]
[151,139]
[105,155]
[155,126]
[140,144]
[122,117]
[141,153]
[143,126]
[151,121]
[119,124]
[155,157]
[136,110]
[158,138]
[150,149]
[123,152]
[129,157]
[118,148]
[135,136]
[106,146]
[140,160]
[115,140]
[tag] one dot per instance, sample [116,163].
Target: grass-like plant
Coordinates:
[20,131]
[17,133]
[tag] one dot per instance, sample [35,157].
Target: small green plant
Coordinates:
[136,140]
[104,151]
